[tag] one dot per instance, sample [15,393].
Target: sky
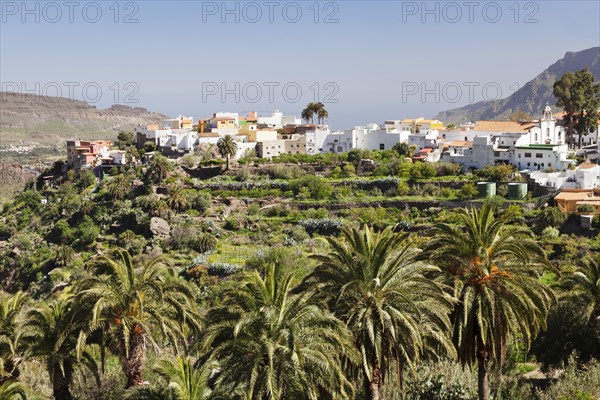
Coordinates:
[367,61]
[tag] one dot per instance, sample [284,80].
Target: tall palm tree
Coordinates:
[131,304]
[582,285]
[374,283]
[11,307]
[278,344]
[227,147]
[50,333]
[159,168]
[322,114]
[495,270]
[308,113]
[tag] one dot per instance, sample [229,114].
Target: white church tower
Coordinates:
[548,127]
[547,132]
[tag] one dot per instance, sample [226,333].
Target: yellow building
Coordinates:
[258,135]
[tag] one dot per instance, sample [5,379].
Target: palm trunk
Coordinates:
[375,384]
[482,373]
[61,383]
[133,363]
[228,162]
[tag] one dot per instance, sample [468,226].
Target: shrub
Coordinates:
[242,174]
[203,242]
[467,191]
[201,201]
[422,170]
[550,232]
[285,172]
[403,189]
[235,223]
[447,169]
[324,226]
[585,208]
[87,233]
[315,187]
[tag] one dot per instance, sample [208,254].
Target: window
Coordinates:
[549,164]
[519,155]
[547,132]
[527,155]
[535,137]
[539,155]
[381,146]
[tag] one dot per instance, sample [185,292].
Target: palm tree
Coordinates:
[182,380]
[495,270]
[159,168]
[374,283]
[227,147]
[50,332]
[13,390]
[308,112]
[582,286]
[322,114]
[10,312]
[118,186]
[176,198]
[278,344]
[131,304]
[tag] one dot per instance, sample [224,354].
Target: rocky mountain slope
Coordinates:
[29,119]
[533,96]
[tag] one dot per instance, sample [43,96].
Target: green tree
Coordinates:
[177,198]
[159,169]
[578,95]
[308,114]
[133,303]
[582,286]
[227,147]
[11,307]
[50,333]
[495,270]
[118,186]
[322,113]
[374,283]
[125,139]
[181,379]
[552,216]
[277,343]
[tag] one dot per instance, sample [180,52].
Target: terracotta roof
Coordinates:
[459,143]
[587,165]
[580,195]
[503,126]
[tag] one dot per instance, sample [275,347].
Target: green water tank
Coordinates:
[486,189]
[517,190]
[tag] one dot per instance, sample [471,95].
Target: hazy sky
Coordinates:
[368,61]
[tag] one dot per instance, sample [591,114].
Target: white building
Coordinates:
[585,176]
[277,120]
[541,156]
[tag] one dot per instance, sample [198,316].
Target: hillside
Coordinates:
[49,121]
[533,96]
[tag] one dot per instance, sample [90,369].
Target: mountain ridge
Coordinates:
[533,96]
